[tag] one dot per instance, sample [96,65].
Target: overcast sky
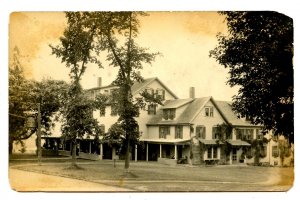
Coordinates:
[183,38]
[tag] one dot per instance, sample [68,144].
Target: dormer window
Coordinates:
[169,114]
[209,111]
[150,91]
[160,94]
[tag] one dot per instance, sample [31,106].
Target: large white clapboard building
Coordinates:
[179,131]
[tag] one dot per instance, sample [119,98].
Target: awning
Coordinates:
[210,142]
[238,143]
[166,141]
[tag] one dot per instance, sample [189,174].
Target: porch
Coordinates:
[168,152]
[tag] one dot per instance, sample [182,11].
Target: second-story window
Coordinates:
[150,91]
[161,94]
[102,112]
[244,134]
[102,128]
[200,132]
[178,132]
[209,111]
[169,114]
[151,109]
[164,131]
[215,134]
[113,110]
[259,134]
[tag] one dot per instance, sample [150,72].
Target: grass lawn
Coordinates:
[152,176]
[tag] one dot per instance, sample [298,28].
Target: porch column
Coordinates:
[135,153]
[101,151]
[175,152]
[160,150]
[147,149]
[90,147]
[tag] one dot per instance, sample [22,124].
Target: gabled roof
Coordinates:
[194,107]
[231,117]
[186,116]
[138,86]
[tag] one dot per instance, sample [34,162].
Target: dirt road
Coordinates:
[31,181]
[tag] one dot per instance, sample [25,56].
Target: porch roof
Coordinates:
[164,141]
[210,142]
[238,143]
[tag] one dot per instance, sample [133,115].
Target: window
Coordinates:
[169,114]
[215,152]
[209,111]
[160,93]
[215,134]
[201,132]
[114,111]
[264,150]
[150,91]
[209,151]
[164,131]
[212,152]
[178,132]
[151,109]
[244,134]
[102,128]
[275,151]
[248,134]
[259,134]
[102,111]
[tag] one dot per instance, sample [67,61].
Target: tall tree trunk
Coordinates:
[74,148]
[256,156]
[10,146]
[127,155]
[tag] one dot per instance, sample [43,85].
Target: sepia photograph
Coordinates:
[151,101]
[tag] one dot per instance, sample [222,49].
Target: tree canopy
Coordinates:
[258,51]
[113,35]
[24,95]
[75,50]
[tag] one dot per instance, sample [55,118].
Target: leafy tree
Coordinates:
[284,150]
[257,147]
[258,50]
[115,34]
[18,95]
[75,51]
[223,133]
[24,95]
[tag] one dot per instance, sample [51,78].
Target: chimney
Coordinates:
[99,82]
[192,92]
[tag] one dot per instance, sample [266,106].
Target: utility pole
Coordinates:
[39,148]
